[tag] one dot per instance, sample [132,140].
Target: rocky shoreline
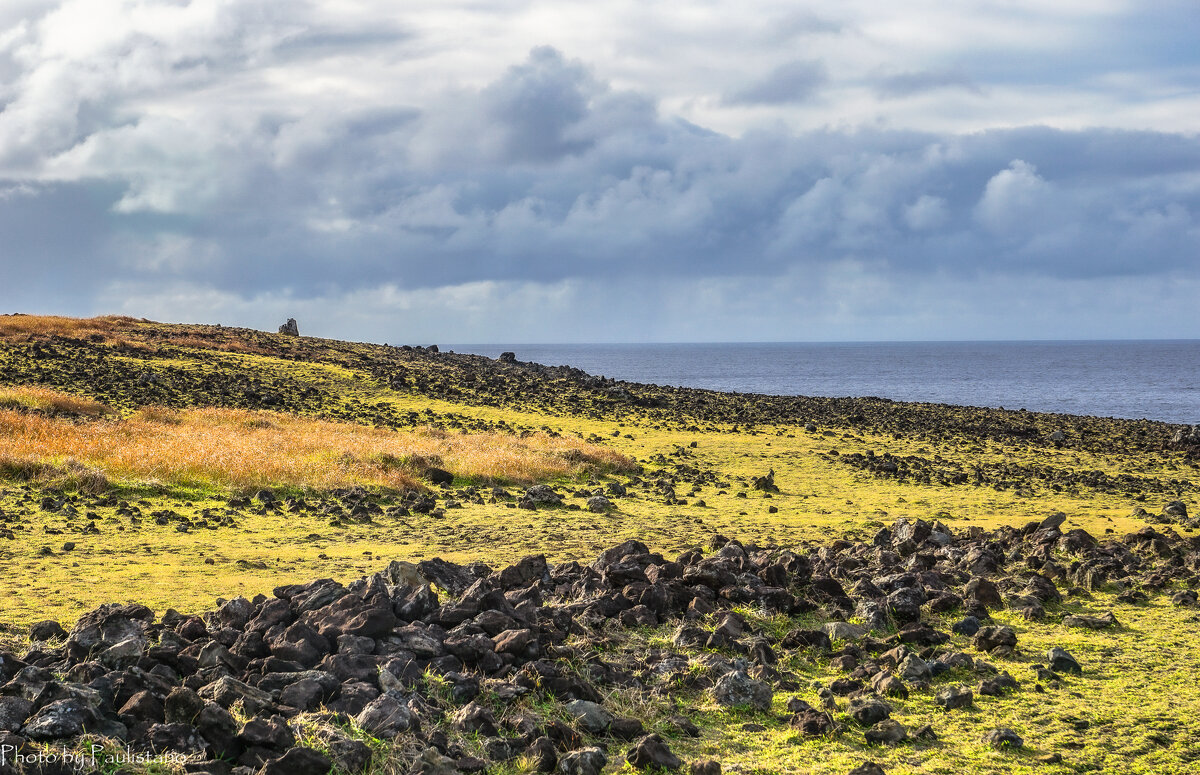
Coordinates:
[422,656]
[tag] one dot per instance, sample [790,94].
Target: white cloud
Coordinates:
[1014,200]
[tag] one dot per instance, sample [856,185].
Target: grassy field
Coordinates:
[131,454]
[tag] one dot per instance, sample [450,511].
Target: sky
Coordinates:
[606,171]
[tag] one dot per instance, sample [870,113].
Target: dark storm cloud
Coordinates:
[535,104]
[794,81]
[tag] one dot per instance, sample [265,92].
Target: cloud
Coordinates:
[238,158]
[919,82]
[794,81]
[926,213]
[1015,199]
[535,104]
[804,23]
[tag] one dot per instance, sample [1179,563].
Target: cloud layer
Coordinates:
[518,172]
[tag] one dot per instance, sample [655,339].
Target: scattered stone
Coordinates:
[586,761]
[953,698]
[889,685]
[844,631]
[684,725]
[299,761]
[1188,598]
[13,713]
[868,711]
[1091,622]
[61,719]
[997,686]
[387,716]
[432,762]
[599,504]
[652,752]
[46,631]
[924,732]
[887,732]
[1061,661]
[813,722]
[590,716]
[475,718]
[737,688]
[914,670]
[541,495]
[1003,738]
[983,593]
[995,639]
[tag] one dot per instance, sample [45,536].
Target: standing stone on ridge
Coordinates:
[290,328]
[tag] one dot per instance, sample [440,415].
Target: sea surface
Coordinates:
[1156,380]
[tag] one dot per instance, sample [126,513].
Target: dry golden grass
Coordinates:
[240,450]
[38,399]
[38,326]
[119,331]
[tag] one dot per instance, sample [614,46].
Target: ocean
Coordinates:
[1156,380]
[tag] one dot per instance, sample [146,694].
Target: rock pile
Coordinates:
[1174,513]
[403,660]
[1186,439]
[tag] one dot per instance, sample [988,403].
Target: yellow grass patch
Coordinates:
[12,326]
[239,450]
[39,399]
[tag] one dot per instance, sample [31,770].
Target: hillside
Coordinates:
[172,466]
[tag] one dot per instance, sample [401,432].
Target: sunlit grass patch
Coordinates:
[13,326]
[30,398]
[240,450]
[69,475]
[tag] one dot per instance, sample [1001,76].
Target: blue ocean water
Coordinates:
[1156,380]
